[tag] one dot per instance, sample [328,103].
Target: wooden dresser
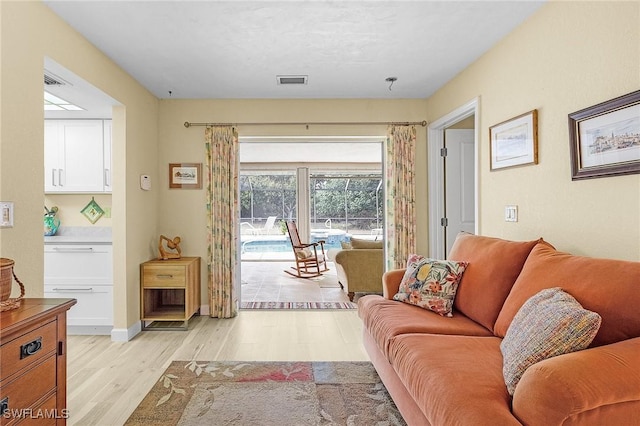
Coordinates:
[33,363]
[170,293]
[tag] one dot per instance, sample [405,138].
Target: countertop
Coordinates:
[81,235]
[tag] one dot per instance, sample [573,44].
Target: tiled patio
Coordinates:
[267,282]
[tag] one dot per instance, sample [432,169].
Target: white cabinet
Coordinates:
[83,272]
[74,152]
[108,160]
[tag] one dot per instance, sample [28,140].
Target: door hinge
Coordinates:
[444,221]
[443,152]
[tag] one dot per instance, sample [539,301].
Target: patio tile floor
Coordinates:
[267,282]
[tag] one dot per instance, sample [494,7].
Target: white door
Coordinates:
[459,184]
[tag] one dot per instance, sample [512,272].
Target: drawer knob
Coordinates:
[30,348]
[165,276]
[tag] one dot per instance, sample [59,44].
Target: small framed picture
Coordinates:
[6,214]
[515,141]
[185,175]
[605,138]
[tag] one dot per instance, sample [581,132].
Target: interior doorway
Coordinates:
[321,180]
[453,177]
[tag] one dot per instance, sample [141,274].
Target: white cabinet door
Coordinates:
[51,155]
[108,161]
[74,156]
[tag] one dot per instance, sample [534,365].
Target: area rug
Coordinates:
[298,305]
[267,393]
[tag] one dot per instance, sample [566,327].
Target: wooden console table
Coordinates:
[170,293]
[33,362]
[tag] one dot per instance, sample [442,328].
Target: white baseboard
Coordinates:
[126,334]
[204,310]
[89,330]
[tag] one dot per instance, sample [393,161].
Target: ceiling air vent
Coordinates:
[292,79]
[51,79]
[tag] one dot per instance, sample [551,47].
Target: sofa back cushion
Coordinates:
[366,244]
[609,287]
[493,266]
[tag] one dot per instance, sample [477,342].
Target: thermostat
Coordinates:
[145,182]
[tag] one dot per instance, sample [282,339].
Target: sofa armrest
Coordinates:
[391,282]
[599,385]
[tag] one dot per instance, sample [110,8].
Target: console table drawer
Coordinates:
[24,391]
[28,349]
[163,275]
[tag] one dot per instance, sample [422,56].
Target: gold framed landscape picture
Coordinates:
[605,138]
[515,142]
[185,175]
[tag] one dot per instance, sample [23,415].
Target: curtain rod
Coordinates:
[422,123]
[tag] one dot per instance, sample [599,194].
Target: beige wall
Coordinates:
[30,31]
[70,207]
[568,56]
[183,210]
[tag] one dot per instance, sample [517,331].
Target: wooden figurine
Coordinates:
[171,245]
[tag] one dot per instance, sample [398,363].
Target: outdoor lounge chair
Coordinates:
[310,258]
[268,226]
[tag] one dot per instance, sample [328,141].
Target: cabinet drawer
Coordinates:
[94,306]
[24,391]
[78,264]
[28,349]
[163,275]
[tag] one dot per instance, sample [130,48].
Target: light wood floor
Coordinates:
[107,380]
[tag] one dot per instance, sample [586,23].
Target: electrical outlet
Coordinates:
[510,213]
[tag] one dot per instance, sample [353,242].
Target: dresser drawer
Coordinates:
[28,349]
[45,414]
[168,275]
[24,391]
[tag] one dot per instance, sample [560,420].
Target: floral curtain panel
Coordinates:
[222,204]
[400,195]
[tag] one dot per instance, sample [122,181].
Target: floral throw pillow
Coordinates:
[431,284]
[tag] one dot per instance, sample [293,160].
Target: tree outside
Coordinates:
[351,203]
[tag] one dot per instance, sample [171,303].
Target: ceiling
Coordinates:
[235,49]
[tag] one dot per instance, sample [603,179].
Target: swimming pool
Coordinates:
[278,244]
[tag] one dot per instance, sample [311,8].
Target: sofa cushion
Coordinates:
[494,265]
[549,324]
[366,244]
[384,319]
[609,287]
[455,380]
[430,284]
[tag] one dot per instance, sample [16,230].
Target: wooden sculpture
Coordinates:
[171,245]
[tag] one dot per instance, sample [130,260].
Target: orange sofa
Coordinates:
[449,370]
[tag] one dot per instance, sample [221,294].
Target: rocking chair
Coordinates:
[311,260]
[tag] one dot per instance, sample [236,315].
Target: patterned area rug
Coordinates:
[298,305]
[267,393]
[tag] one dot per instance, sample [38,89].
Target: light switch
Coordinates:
[6,214]
[510,213]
